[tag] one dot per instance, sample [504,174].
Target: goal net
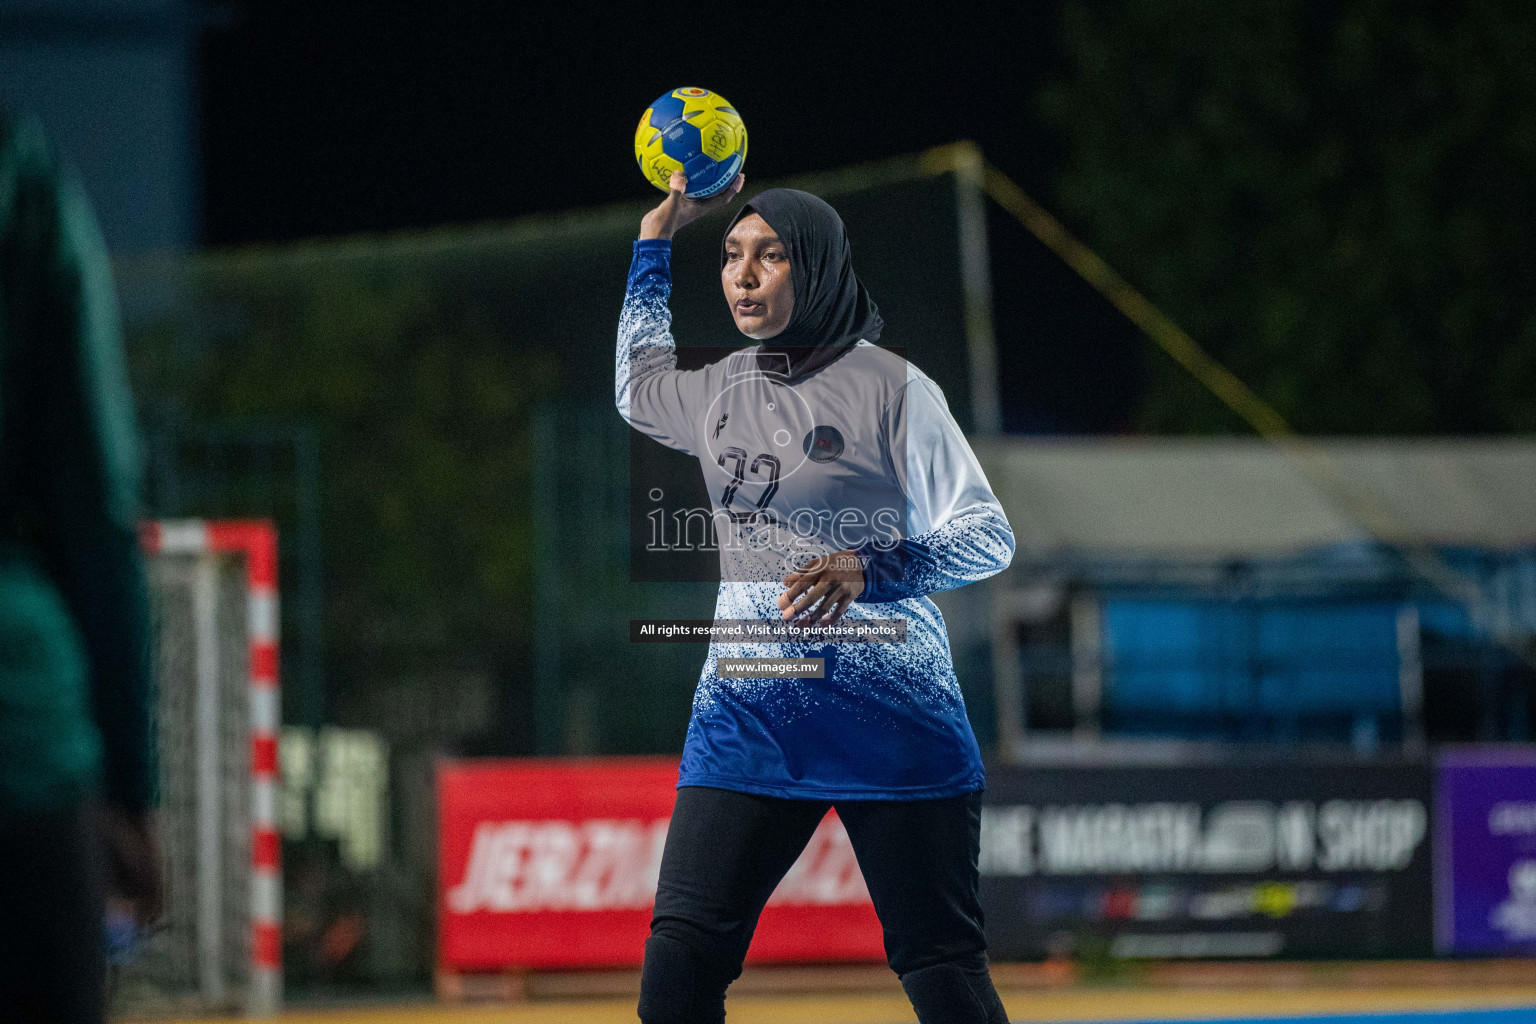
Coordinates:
[214,612]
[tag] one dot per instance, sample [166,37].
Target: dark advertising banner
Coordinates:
[1486,851]
[1247,858]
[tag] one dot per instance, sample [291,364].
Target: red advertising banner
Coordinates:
[553,864]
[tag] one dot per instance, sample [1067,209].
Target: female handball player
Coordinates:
[842,492]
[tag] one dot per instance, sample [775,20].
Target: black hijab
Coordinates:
[832,309]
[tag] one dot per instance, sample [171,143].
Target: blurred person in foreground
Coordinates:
[76,765]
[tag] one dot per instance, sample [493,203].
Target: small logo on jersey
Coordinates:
[823,444]
[720,424]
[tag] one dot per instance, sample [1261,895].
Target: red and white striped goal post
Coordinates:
[255,541]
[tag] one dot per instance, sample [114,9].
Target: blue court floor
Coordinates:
[1507,1016]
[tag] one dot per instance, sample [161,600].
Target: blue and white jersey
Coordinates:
[862,454]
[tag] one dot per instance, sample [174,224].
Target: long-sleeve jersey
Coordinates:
[75,697]
[860,455]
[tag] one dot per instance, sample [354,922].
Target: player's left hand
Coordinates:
[132,849]
[819,593]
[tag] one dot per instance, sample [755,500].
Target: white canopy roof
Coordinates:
[1231,497]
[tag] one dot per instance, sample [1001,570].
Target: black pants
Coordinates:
[727,851]
[52,960]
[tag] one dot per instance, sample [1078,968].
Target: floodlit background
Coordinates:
[1234,300]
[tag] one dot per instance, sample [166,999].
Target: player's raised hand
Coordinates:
[677,210]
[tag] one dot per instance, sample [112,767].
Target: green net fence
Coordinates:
[380,398]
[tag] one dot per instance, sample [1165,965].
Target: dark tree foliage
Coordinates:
[421,404]
[1336,199]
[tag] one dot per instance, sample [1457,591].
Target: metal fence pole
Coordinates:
[976,283]
[1087,666]
[210,824]
[547,710]
[1410,676]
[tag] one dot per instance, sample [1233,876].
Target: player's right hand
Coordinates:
[678,211]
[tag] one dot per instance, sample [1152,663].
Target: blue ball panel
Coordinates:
[666,110]
[682,142]
[716,177]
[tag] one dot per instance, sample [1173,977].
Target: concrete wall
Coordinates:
[113,83]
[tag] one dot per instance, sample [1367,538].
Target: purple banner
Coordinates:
[1485,885]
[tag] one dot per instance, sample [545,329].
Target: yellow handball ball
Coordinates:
[694,131]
